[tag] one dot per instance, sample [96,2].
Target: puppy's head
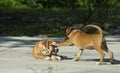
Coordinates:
[49,47]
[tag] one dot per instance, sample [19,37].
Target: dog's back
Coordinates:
[37,49]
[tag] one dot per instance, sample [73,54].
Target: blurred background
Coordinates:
[51,17]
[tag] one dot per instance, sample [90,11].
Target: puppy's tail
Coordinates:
[96,27]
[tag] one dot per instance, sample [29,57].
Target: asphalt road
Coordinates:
[16,57]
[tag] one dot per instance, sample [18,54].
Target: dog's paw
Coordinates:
[47,58]
[58,58]
[75,59]
[98,63]
[44,52]
[54,44]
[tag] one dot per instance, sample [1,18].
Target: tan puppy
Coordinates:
[87,41]
[44,50]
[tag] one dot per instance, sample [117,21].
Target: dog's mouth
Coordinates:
[49,52]
[46,52]
[55,51]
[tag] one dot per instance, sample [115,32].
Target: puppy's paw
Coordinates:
[58,58]
[54,44]
[47,58]
[75,59]
[44,52]
[98,63]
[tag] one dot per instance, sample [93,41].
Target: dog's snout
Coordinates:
[56,50]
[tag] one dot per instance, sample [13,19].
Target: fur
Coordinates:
[87,41]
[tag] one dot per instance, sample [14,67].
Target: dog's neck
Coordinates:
[70,31]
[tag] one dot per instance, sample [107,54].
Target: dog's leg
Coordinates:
[111,56]
[78,55]
[41,56]
[100,51]
[105,48]
[65,43]
[44,57]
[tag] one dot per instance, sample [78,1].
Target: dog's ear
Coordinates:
[68,30]
[46,44]
[50,41]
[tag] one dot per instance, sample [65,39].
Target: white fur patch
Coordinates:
[44,52]
[58,58]
[47,58]
[53,43]
[98,63]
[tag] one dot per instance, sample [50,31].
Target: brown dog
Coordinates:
[44,50]
[87,41]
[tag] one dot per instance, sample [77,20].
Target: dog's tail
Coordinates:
[96,27]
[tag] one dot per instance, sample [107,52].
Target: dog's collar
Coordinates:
[70,31]
[66,38]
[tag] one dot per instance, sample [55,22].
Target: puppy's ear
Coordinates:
[46,44]
[50,42]
[68,30]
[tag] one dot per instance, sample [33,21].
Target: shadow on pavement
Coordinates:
[97,60]
[20,41]
[8,43]
[105,60]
